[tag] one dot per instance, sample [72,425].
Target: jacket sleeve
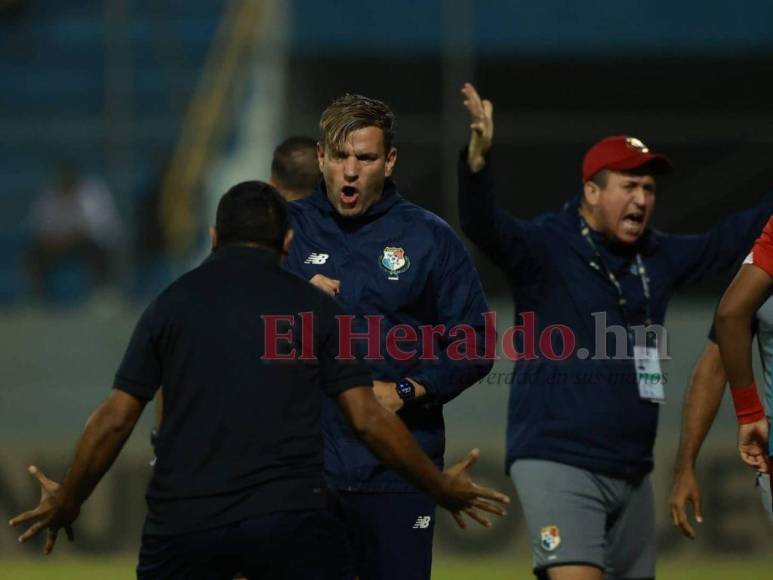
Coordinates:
[694,257]
[512,244]
[461,306]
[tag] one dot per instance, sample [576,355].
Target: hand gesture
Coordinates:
[53,512]
[463,495]
[753,444]
[481,127]
[327,285]
[685,491]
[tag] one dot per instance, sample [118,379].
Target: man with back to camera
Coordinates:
[238,484]
[294,168]
[294,174]
[379,255]
[581,428]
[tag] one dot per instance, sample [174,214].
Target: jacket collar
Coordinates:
[263,255]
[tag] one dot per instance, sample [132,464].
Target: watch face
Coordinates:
[405,390]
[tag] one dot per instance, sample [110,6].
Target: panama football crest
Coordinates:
[550,538]
[394,261]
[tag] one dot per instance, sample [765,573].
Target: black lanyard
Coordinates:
[602,266]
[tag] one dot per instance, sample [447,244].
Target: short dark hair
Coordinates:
[295,165]
[352,112]
[252,212]
[601,178]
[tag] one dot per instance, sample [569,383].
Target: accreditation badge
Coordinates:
[648,374]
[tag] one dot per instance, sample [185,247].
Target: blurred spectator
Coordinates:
[73,221]
[295,169]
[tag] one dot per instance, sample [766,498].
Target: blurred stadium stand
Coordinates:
[101,85]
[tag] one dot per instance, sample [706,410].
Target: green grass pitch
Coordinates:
[446,568]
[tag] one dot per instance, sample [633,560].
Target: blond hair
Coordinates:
[352,112]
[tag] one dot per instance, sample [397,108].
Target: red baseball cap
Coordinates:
[621,153]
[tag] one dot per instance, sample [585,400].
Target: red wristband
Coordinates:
[748,408]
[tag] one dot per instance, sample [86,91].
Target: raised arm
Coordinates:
[512,244]
[481,127]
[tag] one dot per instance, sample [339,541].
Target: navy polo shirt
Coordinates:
[241,434]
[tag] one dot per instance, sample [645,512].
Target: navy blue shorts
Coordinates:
[301,545]
[390,534]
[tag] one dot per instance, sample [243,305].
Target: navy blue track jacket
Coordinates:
[588,413]
[406,264]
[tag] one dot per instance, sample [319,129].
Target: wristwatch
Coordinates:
[405,390]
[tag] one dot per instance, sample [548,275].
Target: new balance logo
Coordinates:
[316,259]
[422,522]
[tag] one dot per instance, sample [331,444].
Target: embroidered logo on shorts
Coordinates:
[422,522]
[550,538]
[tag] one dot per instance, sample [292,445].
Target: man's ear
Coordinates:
[391,160]
[213,237]
[287,241]
[590,194]
[320,155]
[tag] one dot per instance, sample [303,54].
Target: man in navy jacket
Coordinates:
[582,416]
[410,287]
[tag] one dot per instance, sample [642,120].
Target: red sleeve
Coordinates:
[762,252]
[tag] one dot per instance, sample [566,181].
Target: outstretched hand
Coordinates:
[54,512]
[481,127]
[464,496]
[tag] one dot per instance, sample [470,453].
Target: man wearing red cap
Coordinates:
[583,412]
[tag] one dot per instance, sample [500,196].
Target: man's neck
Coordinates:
[293,195]
[611,242]
[590,219]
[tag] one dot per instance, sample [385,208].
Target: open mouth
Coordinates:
[634,219]
[349,195]
[633,223]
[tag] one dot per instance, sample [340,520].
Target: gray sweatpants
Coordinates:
[576,517]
